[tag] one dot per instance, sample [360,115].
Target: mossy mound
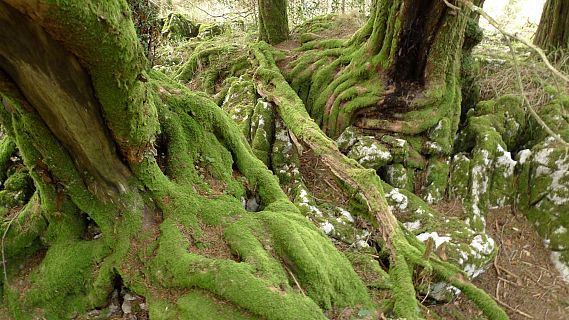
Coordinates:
[178,27]
[543,182]
[210,30]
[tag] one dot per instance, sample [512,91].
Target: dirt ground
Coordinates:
[522,278]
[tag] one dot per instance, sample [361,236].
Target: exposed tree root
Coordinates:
[365,183]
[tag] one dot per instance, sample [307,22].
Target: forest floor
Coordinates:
[522,278]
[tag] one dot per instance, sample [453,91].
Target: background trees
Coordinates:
[553,30]
[273,21]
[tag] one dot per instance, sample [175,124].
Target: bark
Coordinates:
[553,29]
[273,21]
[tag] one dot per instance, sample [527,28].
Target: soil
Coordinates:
[522,278]
[320,181]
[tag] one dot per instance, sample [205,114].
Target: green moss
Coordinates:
[64,281]
[226,279]
[7,149]
[209,30]
[436,180]
[273,21]
[162,309]
[22,236]
[399,177]
[403,290]
[459,181]
[262,130]
[370,153]
[553,114]
[239,103]
[285,160]
[125,101]
[177,26]
[199,306]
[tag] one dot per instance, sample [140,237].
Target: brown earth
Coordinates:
[522,278]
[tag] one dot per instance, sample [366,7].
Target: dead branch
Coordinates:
[508,36]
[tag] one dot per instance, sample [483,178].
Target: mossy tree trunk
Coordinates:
[139,182]
[273,21]
[406,58]
[553,29]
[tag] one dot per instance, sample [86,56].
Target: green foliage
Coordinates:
[147,24]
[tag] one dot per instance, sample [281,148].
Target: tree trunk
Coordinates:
[137,185]
[273,21]
[553,29]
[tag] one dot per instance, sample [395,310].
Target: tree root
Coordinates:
[404,254]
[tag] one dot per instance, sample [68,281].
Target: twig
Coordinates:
[496,266]
[2,245]
[426,295]
[297,144]
[243,14]
[331,186]
[508,281]
[295,281]
[508,36]
[450,5]
[509,272]
[496,25]
[503,304]
[498,288]
[526,100]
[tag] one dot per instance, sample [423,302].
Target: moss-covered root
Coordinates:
[272,85]
[7,149]
[454,276]
[357,181]
[259,283]
[314,276]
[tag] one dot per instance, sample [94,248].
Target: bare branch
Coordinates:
[450,5]
[508,36]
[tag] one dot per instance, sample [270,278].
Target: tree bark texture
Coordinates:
[273,21]
[553,29]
